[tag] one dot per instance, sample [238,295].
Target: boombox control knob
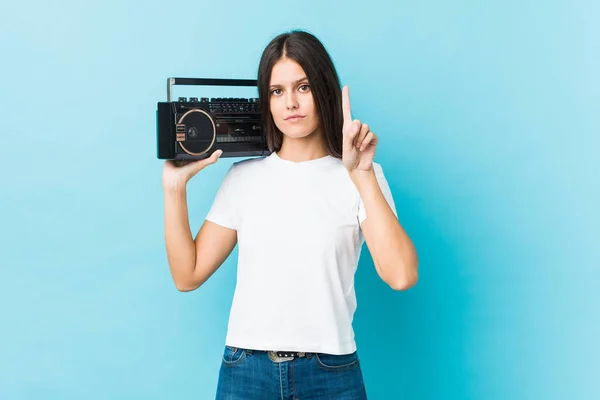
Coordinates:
[204,99]
[183,99]
[193,99]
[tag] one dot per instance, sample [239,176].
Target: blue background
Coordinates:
[488,118]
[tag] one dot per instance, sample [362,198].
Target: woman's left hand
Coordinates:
[359,143]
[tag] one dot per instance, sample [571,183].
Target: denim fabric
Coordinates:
[251,374]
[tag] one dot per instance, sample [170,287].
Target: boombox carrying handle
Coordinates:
[206,82]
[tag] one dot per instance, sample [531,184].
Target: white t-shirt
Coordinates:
[299,242]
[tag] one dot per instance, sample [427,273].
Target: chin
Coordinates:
[297,133]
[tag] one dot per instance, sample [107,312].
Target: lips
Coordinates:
[294,117]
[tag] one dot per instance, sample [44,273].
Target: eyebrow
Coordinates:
[295,82]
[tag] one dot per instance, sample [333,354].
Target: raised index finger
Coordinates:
[347,112]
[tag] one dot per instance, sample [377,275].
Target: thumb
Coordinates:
[215,155]
[210,160]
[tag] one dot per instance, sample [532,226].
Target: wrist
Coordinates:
[175,188]
[359,176]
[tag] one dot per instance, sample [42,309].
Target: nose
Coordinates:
[290,100]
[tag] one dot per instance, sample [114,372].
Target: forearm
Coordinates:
[181,250]
[391,248]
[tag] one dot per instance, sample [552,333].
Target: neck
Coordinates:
[302,149]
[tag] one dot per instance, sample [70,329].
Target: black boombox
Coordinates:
[192,129]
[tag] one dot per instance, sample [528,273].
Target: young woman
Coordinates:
[300,217]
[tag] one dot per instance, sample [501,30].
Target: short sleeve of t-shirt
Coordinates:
[385,189]
[223,210]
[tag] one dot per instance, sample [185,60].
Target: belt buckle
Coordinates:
[282,356]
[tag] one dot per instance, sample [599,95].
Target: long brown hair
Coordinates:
[311,55]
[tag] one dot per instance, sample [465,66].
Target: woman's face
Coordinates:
[291,101]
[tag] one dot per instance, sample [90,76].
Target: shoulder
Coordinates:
[242,168]
[377,168]
[337,172]
[249,162]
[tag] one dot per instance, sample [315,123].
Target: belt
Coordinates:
[281,356]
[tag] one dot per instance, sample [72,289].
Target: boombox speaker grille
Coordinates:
[195,132]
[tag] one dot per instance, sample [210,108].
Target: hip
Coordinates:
[258,374]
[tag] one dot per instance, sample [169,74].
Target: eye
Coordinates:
[304,88]
[276,92]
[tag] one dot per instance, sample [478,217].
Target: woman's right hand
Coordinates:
[176,174]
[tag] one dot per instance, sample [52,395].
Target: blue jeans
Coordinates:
[251,374]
